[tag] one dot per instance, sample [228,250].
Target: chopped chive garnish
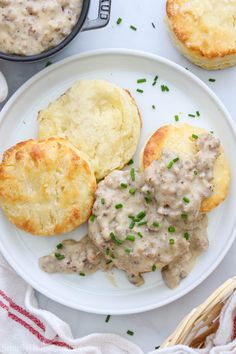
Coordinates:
[153,25]
[109,262]
[158,346]
[197,113]
[171,241]
[48,63]
[155,80]
[130,238]
[131,217]
[191,115]
[142,223]
[131,225]
[82,274]
[92,218]
[165,88]
[184,216]
[194,136]
[154,267]
[132,191]
[141,215]
[156,224]
[130,333]
[107,251]
[176,118]
[59,246]
[171,229]
[113,237]
[119,20]
[132,174]
[128,250]
[119,206]
[131,161]
[196,173]
[107,318]
[186,236]
[212,80]
[133,28]
[170,164]
[153,106]
[139,90]
[140,81]
[176,159]
[140,234]
[59,256]
[148,200]
[186,200]
[124,185]
[103,201]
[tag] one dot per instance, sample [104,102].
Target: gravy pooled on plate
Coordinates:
[29,27]
[144,221]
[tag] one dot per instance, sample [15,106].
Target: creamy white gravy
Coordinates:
[30,27]
[152,220]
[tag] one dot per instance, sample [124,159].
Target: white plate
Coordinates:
[113,294]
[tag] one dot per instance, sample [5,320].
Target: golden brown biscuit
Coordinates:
[204,31]
[46,186]
[176,138]
[99,118]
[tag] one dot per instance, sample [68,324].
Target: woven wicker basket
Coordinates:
[203,320]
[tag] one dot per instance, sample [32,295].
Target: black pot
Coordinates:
[83,24]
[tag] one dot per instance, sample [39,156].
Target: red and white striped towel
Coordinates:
[24,328]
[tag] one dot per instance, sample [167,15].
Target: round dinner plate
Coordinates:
[112,293]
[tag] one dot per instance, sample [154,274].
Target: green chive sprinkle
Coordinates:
[132,191]
[171,241]
[154,267]
[123,185]
[92,218]
[141,215]
[176,159]
[148,200]
[142,223]
[103,201]
[153,25]
[194,136]
[107,251]
[184,216]
[119,20]
[196,173]
[82,274]
[128,250]
[157,347]
[133,28]
[191,115]
[119,206]
[153,106]
[59,256]
[130,162]
[130,238]
[212,80]
[113,237]
[140,234]
[156,224]
[198,113]
[170,164]
[155,80]
[107,318]
[48,63]
[176,118]
[171,229]
[186,200]
[132,174]
[139,90]
[165,88]
[140,81]
[130,333]
[109,262]
[186,236]
[131,225]
[59,246]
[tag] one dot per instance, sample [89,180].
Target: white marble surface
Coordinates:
[150,328]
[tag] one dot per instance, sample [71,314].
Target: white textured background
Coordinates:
[150,328]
